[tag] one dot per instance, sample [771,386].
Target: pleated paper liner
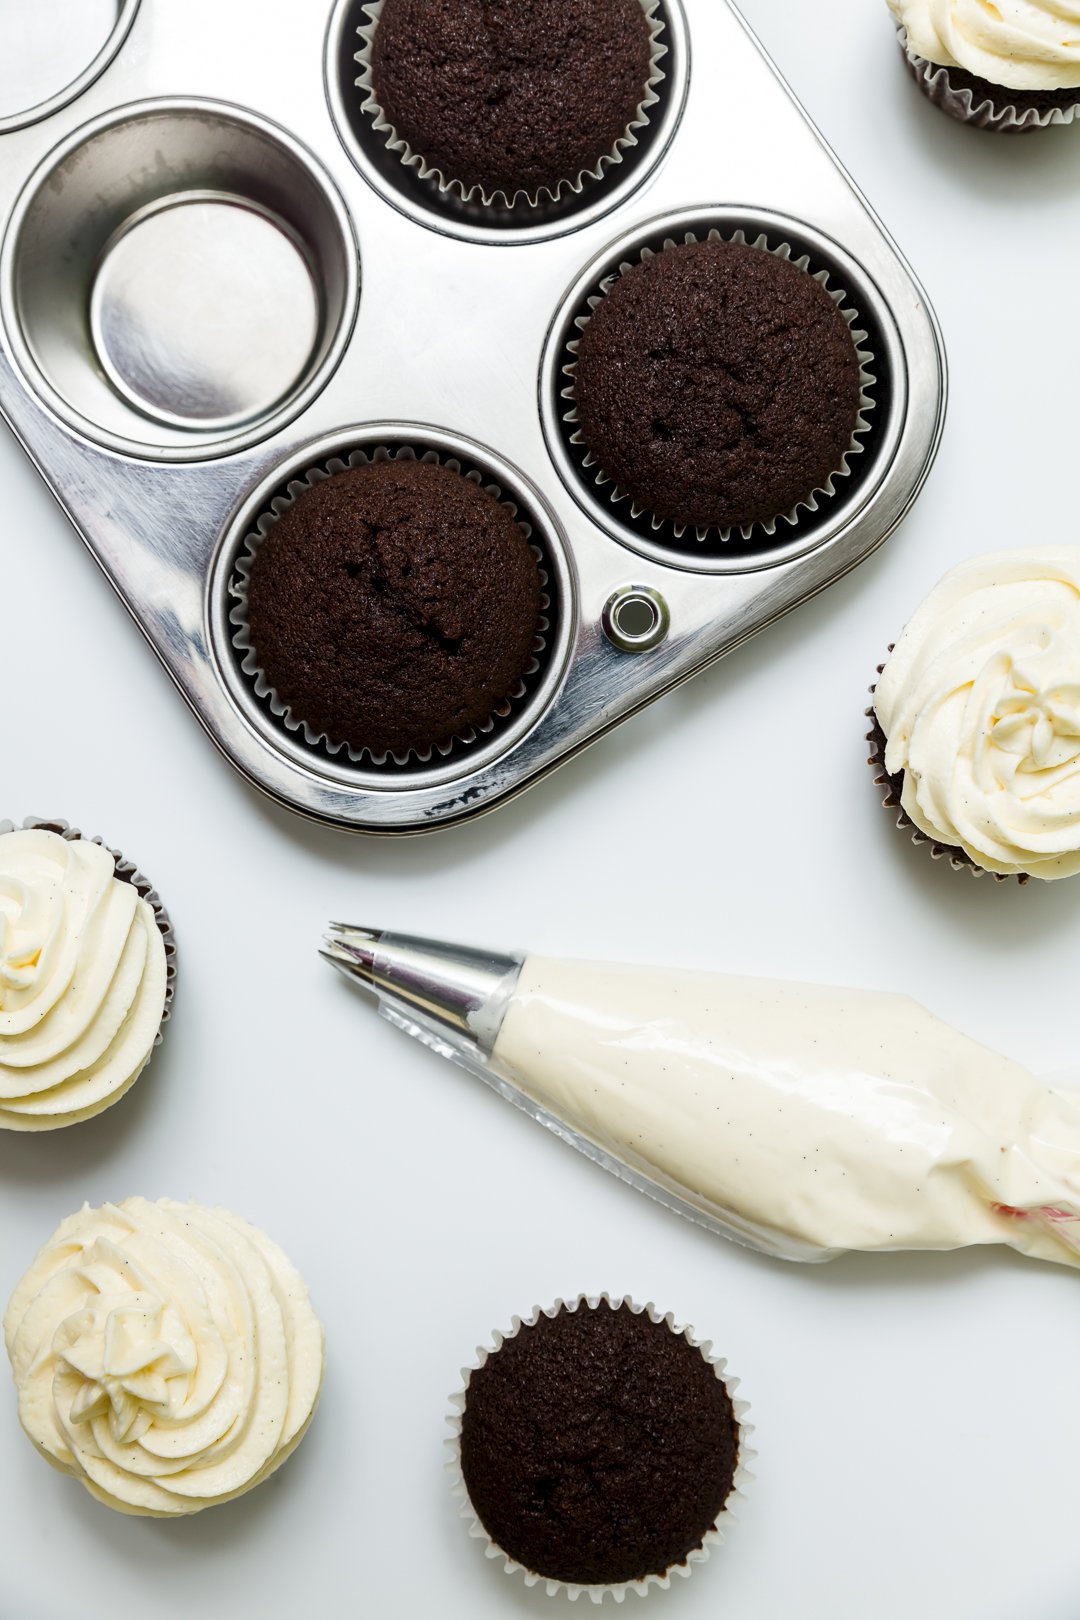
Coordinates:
[618,1591]
[984,105]
[891,790]
[335,748]
[751,539]
[459,191]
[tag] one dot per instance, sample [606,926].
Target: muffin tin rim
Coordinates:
[678,70]
[887,423]
[205,448]
[563,587]
[110,49]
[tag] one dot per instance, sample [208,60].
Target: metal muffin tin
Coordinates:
[389,315]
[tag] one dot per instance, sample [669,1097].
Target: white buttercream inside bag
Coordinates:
[831,1119]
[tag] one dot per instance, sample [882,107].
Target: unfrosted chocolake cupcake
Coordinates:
[717,385]
[511,97]
[1008,68]
[393,607]
[599,1447]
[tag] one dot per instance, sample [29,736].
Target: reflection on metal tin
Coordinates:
[178,278]
[51,50]
[204,312]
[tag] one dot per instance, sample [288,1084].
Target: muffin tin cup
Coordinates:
[179,279]
[753,532]
[999,115]
[127,872]
[545,196]
[957,858]
[618,1592]
[248,655]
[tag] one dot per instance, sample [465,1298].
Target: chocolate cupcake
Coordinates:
[599,1448]
[392,607]
[976,723]
[718,386]
[87,969]
[514,102]
[1006,71]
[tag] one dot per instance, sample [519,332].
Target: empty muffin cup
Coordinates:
[429,607]
[179,279]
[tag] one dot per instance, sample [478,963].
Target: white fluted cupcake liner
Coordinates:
[957,858]
[998,113]
[249,661]
[458,190]
[127,872]
[715,1537]
[811,501]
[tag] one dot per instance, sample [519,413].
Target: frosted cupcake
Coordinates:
[977,716]
[85,976]
[165,1355]
[1009,68]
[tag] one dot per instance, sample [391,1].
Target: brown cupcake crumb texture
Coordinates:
[394,606]
[598,1446]
[717,385]
[511,95]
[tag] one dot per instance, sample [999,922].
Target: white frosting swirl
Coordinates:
[166,1355]
[1021,44]
[980,703]
[82,981]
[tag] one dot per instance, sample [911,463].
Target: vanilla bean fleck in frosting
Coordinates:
[165,1354]
[82,981]
[1021,44]
[980,705]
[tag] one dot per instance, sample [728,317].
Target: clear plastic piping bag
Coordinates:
[802,1120]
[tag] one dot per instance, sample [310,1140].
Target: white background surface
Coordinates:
[918,1417]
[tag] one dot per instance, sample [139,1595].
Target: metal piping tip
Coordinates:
[353,951]
[443,986]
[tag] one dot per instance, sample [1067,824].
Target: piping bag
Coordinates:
[801,1120]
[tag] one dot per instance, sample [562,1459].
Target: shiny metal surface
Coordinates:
[452,988]
[450,333]
[126,305]
[51,50]
[635,618]
[204,312]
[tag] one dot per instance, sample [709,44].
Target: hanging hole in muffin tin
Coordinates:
[53,50]
[443,210]
[179,279]
[239,667]
[826,512]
